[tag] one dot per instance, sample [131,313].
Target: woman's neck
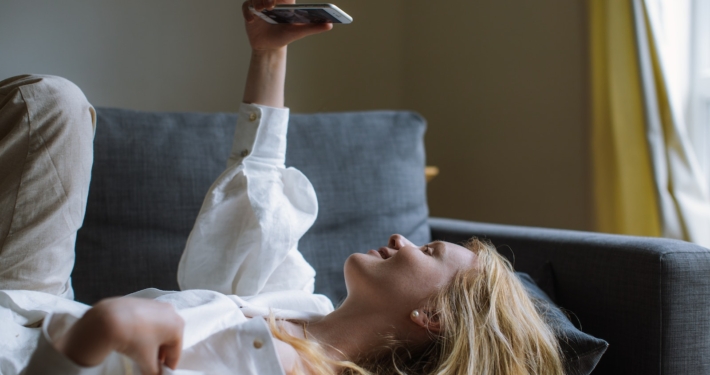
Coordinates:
[351,332]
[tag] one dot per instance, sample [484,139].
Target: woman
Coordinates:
[247,304]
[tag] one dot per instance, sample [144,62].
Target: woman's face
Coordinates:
[404,275]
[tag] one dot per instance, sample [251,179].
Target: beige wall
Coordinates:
[503,85]
[153,55]
[186,55]
[502,82]
[354,67]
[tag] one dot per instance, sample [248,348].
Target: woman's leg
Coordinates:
[46,152]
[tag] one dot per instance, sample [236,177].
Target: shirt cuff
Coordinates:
[260,134]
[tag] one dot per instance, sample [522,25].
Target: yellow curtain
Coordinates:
[625,197]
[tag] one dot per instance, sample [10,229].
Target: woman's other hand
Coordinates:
[264,36]
[148,332]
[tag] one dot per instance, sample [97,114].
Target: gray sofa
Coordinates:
[649,298]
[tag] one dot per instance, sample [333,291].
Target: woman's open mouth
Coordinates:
[382,252]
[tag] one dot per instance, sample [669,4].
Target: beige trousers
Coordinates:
[46,152]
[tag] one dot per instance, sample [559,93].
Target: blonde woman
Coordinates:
[247,305]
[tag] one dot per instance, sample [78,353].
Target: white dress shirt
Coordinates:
[241,261]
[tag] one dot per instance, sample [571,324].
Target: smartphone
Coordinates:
[304,13]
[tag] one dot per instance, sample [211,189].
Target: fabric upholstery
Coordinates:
[648,297]
[152,170]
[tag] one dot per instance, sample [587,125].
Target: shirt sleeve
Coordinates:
[245,238]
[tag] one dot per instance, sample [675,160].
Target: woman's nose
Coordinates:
[398,241]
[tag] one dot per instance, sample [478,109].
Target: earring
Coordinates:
[415,314]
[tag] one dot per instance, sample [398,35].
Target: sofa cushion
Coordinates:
[152,170]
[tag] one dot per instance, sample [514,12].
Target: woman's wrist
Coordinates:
[269,66]
[90,340]
[149,332]
[269,53]
[266,77]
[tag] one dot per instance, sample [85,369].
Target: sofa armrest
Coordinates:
[648,297]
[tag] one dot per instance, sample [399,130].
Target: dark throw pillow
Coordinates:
[581,351]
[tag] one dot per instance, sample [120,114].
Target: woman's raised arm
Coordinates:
[245,238]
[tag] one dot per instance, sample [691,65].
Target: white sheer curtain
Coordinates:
[666,36]
[699,105]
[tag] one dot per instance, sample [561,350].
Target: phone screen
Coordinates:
[300,16]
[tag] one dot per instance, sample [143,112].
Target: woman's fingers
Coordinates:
[172,343]
[171,355]
[248,15]
[258,5]
[148,362]
[304,30]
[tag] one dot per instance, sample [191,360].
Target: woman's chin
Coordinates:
[353,260]
[361,275]
[358,266]
[361,259]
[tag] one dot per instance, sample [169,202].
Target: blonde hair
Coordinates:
[314,360]
[489,326]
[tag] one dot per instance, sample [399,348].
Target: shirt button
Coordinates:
[252,116]
[258,344]
[245,152]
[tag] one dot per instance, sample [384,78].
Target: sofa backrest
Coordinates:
[152,170]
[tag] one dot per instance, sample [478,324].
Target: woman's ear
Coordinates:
[426,319]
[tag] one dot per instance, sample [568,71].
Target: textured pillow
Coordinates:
[152,170]
[581,351]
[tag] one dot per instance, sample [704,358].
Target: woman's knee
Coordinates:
[47,94]
[39,83]
[10,86]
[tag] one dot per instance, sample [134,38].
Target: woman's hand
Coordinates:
[265,37]
[267,70]
[148,332]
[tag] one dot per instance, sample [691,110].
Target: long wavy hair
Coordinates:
[489,326]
